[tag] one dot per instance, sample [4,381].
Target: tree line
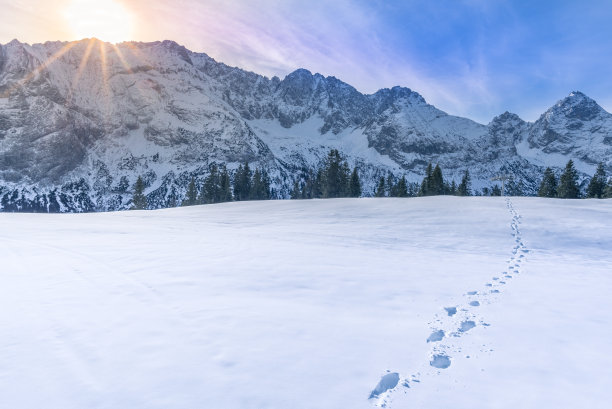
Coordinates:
[567,187]
[218,187]
[335,179]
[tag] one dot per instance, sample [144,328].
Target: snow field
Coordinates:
[310,304]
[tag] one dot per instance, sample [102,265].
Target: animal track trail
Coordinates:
[456,321]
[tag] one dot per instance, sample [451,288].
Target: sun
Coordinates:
[106,20]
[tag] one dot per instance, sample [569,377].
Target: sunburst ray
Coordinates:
[77,77]
[38,70]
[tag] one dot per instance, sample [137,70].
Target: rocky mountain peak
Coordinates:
[507,117]
[577,106]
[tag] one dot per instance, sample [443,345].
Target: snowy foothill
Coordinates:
[430,302]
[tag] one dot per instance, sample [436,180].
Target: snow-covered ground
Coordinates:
[309,304]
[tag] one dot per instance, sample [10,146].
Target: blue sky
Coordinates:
[473,58]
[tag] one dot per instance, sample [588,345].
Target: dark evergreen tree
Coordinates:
[597,183]
[242,182]
[238,179]
[401,189]
[548,187]
[225,185]
[424,189]
[317,185]
[335,176]
[260,185]
[426,185]
[191,198]
[453,188]
[211,190]
[390,187]
[256,186]
[311,187]
[568,183]
[465,187]
[355,184]
[296,192]
[139,200]
[380,189]
[436,184]
[265,191]
[496,190]
[514,187]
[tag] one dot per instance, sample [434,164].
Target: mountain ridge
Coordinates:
[93,114]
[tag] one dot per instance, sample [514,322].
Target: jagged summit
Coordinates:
[507,116]
[579,106]
[83,122]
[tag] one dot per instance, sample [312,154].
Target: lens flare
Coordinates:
[106,20]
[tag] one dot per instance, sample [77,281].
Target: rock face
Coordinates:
[80,121]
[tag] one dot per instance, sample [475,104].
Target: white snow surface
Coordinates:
[310,304]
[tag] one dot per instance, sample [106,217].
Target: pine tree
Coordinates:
[265,191]
[380,189]
[237,182]
[496,190]
[355,184]
[401,189]
[568,183]
[548,187]
[597,183]
[191,198]
[465,187]
[318,184]
[225,185]
[427,184]
[256,186]
[335,176]
[296,192]
[242,182]
[139,200]
[390,187]
[436,185]
[308,188]
[453,188]
[260,185]
[211,190]
[424,188]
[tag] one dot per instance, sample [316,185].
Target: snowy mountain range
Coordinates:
[80,121]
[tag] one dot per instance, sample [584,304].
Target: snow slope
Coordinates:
[308,304]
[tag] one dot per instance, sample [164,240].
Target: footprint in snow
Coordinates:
[436,336]
[440,361]
[466,326]
[451,311]
[472,292]
[474,303]
[388,381]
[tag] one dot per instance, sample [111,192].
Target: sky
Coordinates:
[474,58]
